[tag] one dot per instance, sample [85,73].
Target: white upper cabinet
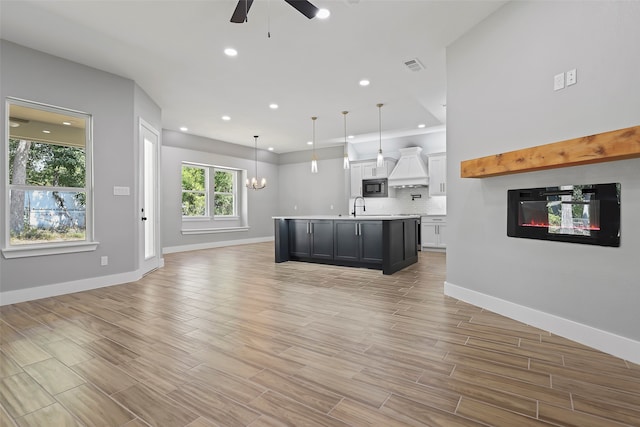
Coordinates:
[368,170]
[437,175]
[356,179]
[371,171]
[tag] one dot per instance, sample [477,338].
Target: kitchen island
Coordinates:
[382,242]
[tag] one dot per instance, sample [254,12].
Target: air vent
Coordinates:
[414,64]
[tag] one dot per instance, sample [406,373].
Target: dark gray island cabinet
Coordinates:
[387,243]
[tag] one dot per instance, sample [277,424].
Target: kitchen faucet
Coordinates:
[364,209]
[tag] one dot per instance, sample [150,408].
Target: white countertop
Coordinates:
[350,217]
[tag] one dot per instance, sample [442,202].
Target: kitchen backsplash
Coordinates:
[403,203]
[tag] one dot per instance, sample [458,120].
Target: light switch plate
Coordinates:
[558,81]
[120,191]
[572,77]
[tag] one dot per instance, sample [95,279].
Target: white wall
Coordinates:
[500,98]
[114,103]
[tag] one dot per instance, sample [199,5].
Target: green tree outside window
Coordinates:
[224,197]
[194,191]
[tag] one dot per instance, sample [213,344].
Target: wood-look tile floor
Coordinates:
[226,337]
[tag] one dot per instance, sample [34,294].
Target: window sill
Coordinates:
[196,218]
[49,249]
[213,230]
[226,218]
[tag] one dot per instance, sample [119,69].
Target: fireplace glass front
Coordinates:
[571,213]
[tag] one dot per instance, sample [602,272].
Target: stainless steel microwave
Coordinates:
[375,187]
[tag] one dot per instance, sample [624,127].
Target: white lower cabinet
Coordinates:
[433,232]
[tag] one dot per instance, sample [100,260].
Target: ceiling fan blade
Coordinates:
[304,7]
[240,14]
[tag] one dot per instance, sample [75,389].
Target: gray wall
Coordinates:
[262,204]
[305,193]
[501,98]
[40,77]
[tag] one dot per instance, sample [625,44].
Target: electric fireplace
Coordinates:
[587,214]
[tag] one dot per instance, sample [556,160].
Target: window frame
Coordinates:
[233,193]
[59,247]
[207,211]
[214,224]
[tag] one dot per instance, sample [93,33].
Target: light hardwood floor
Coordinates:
[226,337]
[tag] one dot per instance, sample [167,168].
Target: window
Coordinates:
[194,191]
[198,191]
[225,193]
[49,165]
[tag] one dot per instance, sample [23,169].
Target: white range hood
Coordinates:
[410,171]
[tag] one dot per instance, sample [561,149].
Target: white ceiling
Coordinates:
[174,51]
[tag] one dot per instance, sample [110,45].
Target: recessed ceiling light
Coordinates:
[66,123]
[184,128]
[422,125]
[273,106]
[364,82]
[309,142]
[270,148]
[351,137]
[46,131]
[323,13]
[230,52]
[226,118]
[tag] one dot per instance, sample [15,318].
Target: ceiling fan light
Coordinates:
[323,13]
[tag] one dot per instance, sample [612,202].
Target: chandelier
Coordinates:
[253,182]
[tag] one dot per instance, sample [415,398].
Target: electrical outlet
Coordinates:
[104,260]
[572,77]
[558,81]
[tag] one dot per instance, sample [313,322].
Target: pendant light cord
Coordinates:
[255,137]
[380,126]
[269,19]
[345,129]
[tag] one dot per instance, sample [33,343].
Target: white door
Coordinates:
[149,242]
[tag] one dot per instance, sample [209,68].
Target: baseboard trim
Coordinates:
[613,344]
[46,291]
[211,245]
[56,289]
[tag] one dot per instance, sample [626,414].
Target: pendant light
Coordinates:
[345,163]
[380,158]
[253,183]
[314,159]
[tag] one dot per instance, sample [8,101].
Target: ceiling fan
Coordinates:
[303,6]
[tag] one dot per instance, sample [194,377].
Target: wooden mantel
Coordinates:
[603,147]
